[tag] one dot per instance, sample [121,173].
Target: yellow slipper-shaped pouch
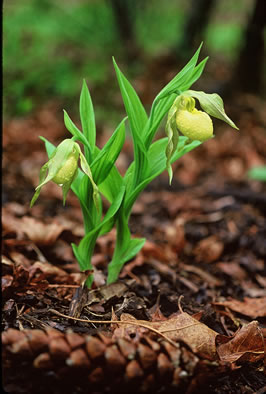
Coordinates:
[195,124]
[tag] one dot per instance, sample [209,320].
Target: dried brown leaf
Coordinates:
[48,269]
[10,223]
[199,337]
[183,327]
[20,259]
[252,307]
[246,345]
[41,233]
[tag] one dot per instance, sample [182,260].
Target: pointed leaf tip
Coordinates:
[114,62]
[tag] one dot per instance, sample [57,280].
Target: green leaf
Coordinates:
[160,110]
[112,210]
[137,119]
[107,226]
[84,250]
[126,247]
[84,194]
[185,148]
[213,105]
[86,168]
[181,78]
[112,185]
[87,118]
[50,148]
[65,188]
[84,255]
[42,177]
[195,75]
[131,250]
[108,155]
[157,159]
[72,128]
[136,113]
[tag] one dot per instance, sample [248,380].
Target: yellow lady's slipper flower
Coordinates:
[62,169]
[195,124]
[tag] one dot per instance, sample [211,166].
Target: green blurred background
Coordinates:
[49,46]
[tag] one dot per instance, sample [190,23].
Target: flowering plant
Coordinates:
[99,175]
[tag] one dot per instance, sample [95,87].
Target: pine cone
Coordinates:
[54,362]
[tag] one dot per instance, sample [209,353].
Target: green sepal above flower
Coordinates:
[212,104]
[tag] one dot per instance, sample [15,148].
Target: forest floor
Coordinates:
[193,301]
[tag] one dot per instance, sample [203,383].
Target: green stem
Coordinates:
[122,239]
